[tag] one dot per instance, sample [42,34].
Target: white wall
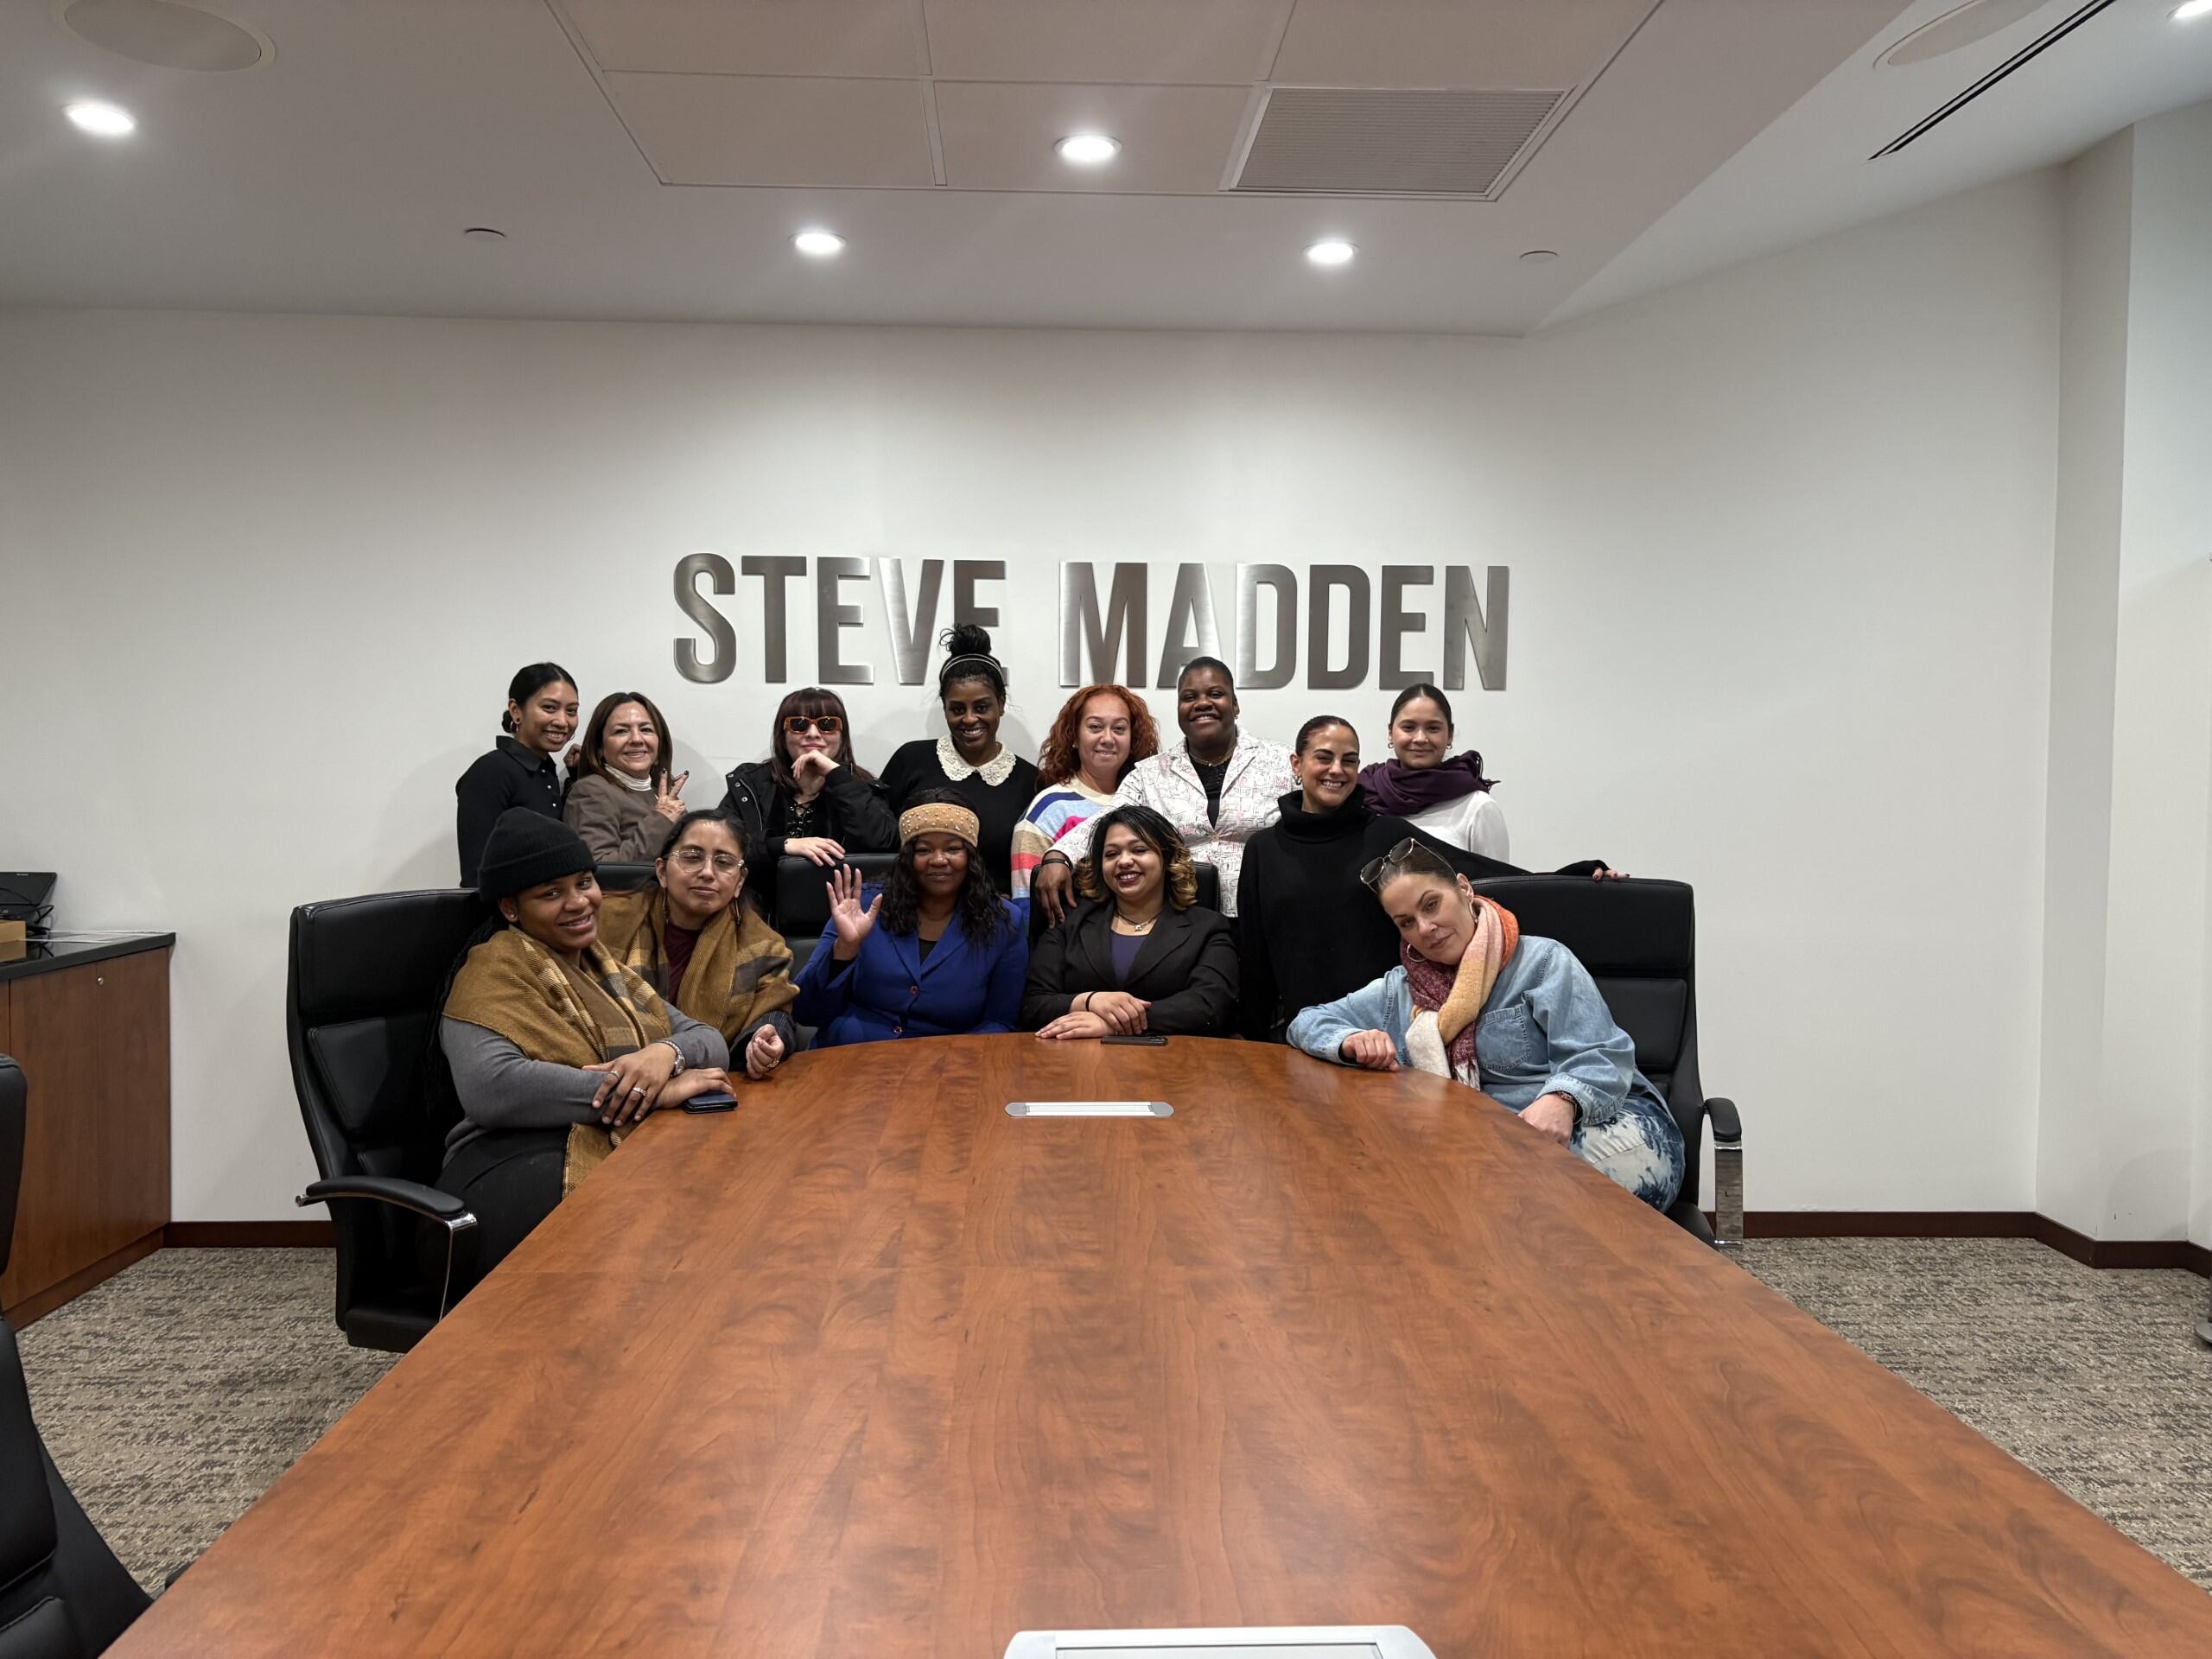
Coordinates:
[1781,549]
[2126,1112]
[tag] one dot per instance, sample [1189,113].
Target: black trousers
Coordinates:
[511,1179]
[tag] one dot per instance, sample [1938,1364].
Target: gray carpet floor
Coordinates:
[172,1396]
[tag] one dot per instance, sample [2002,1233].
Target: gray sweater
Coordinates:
[502,1088]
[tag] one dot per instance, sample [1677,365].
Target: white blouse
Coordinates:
[1475,822]
[1251,794]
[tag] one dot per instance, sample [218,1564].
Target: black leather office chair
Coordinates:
[63,1595]
[1638,941]
[624,878]
[799,901]
[360,1007]
[1209,898]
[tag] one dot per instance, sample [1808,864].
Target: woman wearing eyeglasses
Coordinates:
[710,954]
[809,798]
[1475,999]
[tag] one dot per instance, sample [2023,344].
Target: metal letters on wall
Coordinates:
[1107,639]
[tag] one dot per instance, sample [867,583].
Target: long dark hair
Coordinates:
[595,755]
[528,682]
[978,911]
[1154,830]
[813,701]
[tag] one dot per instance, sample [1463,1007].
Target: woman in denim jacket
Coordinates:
[1518,1018]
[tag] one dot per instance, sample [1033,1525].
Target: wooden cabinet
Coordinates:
[94,1042]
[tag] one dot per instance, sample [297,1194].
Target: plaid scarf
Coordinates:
[515,987]
[1451,998]
[740,972]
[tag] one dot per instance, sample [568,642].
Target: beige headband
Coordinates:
[950,820]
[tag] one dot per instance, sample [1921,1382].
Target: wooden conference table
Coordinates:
[871,1367]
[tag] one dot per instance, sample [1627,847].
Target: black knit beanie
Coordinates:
[526,848]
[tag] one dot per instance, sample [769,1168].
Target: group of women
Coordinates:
[1346,923]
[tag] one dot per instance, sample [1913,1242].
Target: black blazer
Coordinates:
[1186,968]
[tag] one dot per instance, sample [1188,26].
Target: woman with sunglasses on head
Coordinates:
[1474,999]
[997,784]
[519,769]
[809,798]
[694,938]
[935,952]
[1099,733]
[1218,787]
[622,800]
[1432,789]
[1140,956]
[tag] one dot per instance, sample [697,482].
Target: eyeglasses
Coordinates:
[1408,855]
[828,725]
[695,858]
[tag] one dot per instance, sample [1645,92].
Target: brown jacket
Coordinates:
[620,824]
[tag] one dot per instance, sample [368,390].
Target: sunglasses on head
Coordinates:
[828,725]
[1408,855]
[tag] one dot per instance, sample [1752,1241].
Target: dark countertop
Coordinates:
[51,958]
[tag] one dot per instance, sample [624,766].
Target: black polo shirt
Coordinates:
[509,775]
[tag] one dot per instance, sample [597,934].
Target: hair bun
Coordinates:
[966,639]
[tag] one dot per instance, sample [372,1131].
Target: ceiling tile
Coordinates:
[1494,43]
[1147,41]
[778,129]
[1175,140]
[753,37]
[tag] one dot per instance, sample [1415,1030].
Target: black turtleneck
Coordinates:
[1307,931]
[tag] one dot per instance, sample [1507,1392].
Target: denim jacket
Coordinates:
[1545,1030]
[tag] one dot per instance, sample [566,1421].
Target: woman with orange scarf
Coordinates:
[1516,1017]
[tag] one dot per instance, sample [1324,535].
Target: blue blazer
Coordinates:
[888,991]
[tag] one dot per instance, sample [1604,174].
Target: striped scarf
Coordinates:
[1446,1001]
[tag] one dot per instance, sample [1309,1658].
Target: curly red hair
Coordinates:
[1060,758]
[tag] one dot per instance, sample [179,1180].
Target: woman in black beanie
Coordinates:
[556,1050]
[997,784]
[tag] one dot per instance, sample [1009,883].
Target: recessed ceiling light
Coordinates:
[1330,251]
[819,244]
[1087,148]
[107,120]
[1540,256]
[2189,8]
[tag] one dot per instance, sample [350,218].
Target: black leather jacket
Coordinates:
[848,810]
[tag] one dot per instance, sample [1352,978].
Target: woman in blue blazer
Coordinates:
[935,952]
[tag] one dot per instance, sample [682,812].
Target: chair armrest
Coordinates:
[450,1212]
[1727,1127]
[425,1201]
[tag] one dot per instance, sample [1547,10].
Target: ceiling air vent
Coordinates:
[1369,141]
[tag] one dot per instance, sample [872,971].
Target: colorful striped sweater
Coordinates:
[1057,808]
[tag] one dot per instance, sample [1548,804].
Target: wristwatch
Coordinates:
[678,1052]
